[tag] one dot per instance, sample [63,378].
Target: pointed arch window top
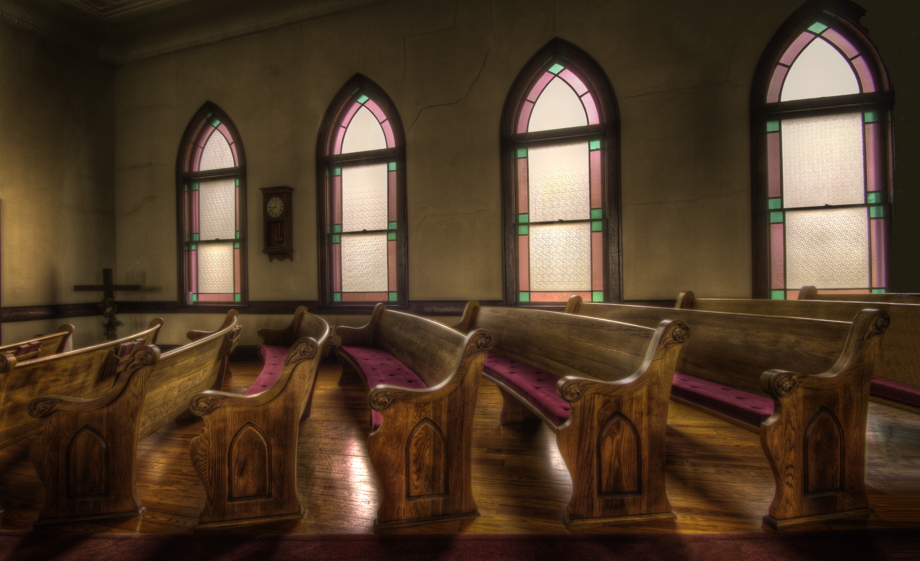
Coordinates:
[214,148]
[821,62]
[364,126]
[559,99]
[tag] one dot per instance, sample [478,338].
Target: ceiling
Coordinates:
[121,31]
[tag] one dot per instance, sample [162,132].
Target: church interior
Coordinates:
[260,156]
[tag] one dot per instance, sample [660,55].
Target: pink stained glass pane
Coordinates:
[185,221]
[236,271]
[388,133]
[845,291]
[523,197]
[524,118]
[558,296]
[196,158]
[236,158]
[391,266]
[865,74]
[237,208]
[777,257]
[596,198]
[574,81]
[391,196]
[792,294]
[774,166]
[796,47]
[591,109]
[337,199]
[877,239]
[223,130]
[337,141]
[193,270]
[376,110]
[349,113]
[337,267]
[215,297]
[365,297]
[873,158]
[597,261]
[523,264]
[776,84]
[841,42]
[537,88]
[195,212]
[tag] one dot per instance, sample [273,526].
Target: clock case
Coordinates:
[278,232]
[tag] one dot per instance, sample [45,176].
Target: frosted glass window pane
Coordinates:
[217,201]
[827,248]
[364,263]
[560,257]
[215,268]
[216,154]
[364,133]
[364,198]
[557,108]
[823,160]
[559,184]
[820,71]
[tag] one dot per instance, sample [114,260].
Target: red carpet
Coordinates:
[862,545]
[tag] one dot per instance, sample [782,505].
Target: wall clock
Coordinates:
[278,230]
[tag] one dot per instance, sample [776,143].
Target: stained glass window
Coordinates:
[825,190]
[560,137]
[212,211]
[362,156]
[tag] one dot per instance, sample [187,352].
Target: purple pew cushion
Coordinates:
[750,408]
[537,386]
[898,391]
[380,367]
[275,356]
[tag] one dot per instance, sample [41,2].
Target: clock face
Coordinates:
[275,207]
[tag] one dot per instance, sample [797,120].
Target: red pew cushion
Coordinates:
[535,385]
[745,406]
[380,367]
[898,391]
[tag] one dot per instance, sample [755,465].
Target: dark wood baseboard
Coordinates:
[55,311]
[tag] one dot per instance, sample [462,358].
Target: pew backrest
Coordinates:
[40,347]
[811,293]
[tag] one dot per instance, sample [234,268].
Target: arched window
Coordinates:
[821,118]
[561,202]
[361,194]
[211,201]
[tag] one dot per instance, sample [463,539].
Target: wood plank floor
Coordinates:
[717,477]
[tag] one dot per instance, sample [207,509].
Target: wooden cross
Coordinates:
[107,287]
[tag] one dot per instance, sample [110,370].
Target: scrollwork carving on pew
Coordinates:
[39,408]
[302,351]
[7,362]
[143,356]
[202,404]
[482,341]
[783,383]
[880,325]
[381,399]
[679,334]
[573,390]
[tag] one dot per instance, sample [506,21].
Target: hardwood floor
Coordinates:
[718,479]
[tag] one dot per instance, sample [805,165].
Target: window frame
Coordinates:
[186,151]
[325,161]
[609,132]
[844,18]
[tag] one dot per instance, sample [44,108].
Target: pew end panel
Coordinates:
[246,456]
[815,439]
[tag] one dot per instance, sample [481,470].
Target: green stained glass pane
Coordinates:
[391,236]
[336,171]
[237,235]
[874,198]
[186,187]
[556,68]
[356,90]
[336,238]
[391,166]
[775,203]
[597,296]
[194,247]
[817,28]
[772,126]
[523,218]
[522,152]
[236,245]
[392,297]
[594,145]
[194,298]
[337,297]
[328,229]
[391,225]
[194,237]
[597,226]
[237,298]
[208,116]
[522,230]
[337,228]
[194,186]
[776,217]
[870,116]
[215,123]
[362,98]
[523,297]
[878,291]
[778,294]
[876,212]
[597,213]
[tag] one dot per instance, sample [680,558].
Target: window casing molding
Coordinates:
[602,136]
[189,223]
[331,165]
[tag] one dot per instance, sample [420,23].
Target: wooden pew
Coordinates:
[423,379]
[896,379]
[603,388]
[42,346]
[811,293]
[815,372]
[86,454]
[246,456]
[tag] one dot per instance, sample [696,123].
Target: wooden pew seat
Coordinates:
[533,384]
[746,407]
[380,367]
